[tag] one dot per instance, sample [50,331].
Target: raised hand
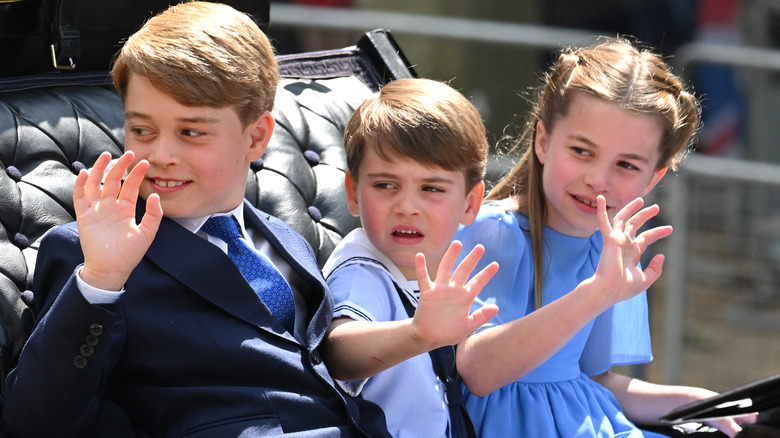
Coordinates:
[618,273]
[443,315]
[112,242]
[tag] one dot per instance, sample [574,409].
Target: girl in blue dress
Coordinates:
[563,225]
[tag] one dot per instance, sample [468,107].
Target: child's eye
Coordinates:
[433,189]
[383,185]
[580,151]
[626,165]
[140,131]
[192,133]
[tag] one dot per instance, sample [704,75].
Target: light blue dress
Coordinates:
[558,399]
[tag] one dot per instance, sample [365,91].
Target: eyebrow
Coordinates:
[433,179]
[140,115]
[624,156]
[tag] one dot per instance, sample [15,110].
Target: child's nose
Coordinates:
[163,151]
[406,203]
[597,178]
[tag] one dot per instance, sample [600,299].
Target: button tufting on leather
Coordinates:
[14,173]
[312,157]
[77,166]
[27,297]
[315,214]
[21,240]
[256,165]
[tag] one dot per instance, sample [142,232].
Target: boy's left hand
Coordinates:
[443,313]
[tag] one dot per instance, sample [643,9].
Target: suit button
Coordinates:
[315,357]
[91,340]
[96,329]
[80,362]
[86,350]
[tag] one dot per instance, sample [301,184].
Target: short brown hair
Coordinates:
[425,120]
[203,54]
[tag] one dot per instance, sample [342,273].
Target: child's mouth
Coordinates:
[407,236]
[585,201]
[167,184]
[407,233]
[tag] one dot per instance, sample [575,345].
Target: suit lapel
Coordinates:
[297,254]
[193,261]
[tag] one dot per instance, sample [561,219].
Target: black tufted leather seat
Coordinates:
[48,132]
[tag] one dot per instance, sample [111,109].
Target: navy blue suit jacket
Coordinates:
[189,350]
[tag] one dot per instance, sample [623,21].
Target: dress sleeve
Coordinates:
[500,233]
[620,336]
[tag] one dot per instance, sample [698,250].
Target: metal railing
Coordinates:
[677,205]
[528,35]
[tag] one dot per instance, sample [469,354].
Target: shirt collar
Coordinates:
[195,223]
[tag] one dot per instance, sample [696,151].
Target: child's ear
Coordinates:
[473,202]
[654,180]
[260,134]
[352,194]
[541,138]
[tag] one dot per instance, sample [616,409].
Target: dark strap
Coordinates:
[66,46]
[443,359]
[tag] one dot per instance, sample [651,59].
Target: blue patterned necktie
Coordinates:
[258,270]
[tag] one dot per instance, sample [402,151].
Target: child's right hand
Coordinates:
[443,315]
[112,243]
[618,274]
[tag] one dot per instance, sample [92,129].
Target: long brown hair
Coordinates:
[618,71]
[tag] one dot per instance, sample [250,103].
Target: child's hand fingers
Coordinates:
[653,270]
[129,190]
[467,265]
[482,315]
[625,213]
[80,202]
[150,223]
[601,213]
[421,269]
[448,262]
[651,236]
[93,182]
[639,219]
[479,281]
[112,181]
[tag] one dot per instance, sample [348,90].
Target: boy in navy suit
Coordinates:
[137,304]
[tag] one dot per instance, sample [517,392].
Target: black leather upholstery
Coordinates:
[49,132]
[46,137]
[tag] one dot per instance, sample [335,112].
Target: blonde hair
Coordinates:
[203,54]
[616,71]
[422,119]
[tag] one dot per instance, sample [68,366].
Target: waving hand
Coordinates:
[112,242]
